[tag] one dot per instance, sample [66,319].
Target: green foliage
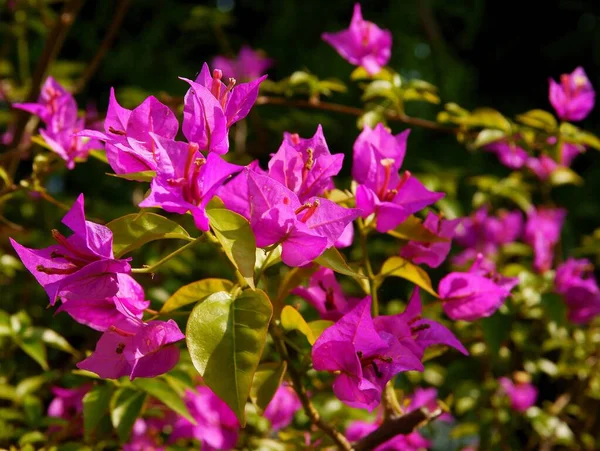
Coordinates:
[225,336]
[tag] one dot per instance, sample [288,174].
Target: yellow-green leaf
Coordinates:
[235,235]
[143,176]
[412,229]
[291,319]
[194,292]
[538,119]
[318,327]
[332,259]
[399,267]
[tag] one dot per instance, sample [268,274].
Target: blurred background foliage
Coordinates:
[477,52]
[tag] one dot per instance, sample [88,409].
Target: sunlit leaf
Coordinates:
[538,119]
[143,176]
[125,407]
[133,231]
[332,259]
[225,337]
[291,319]
[399,267]
[162,391]
[412,229]
[194,292]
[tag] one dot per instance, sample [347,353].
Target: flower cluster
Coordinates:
[57,109]
[97,290]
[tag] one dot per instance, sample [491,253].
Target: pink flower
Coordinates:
[522,394]
[216,425]
[363,44]
[282,408]
[509,154]
[574,97]
[133,348]
[81,266]
[542,231]
[576,282]
[248,65]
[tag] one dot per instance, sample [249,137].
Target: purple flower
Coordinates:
[415,332]
[522,394]
[574,97]
[249,64]
[482,233]
[575,281]
[305,166]
[542,231]
[325,294]
[426,397]
[432,254]
[216,425]
[542,167]
[81,266]
[57,108]
[133,348]
[474,294]
[67,402]
[363,44]
[304,230]
[143,437]
[568,152]
[363,358]
[509,154]
[128,134]
[410,442]
[378,155]
[211,107]
[102,313]
[282,408]
[186,180]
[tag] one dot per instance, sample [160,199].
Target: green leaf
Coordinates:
[125,407]
[135,230]
[55,340]
[318,327]
[383,89]
[267,379]
[540,119]
[31,385]
[33,409]
[96,403]
[5,326]
[555,307]
[332,259]
[164,393]
[99,155]
[291,319]
[32,437]
[398,267]
[488,136]
[143,176]
[496,329]
[565,176]
[235,235]
[35,348]
[225,337]
[195,292]
[412,229]
[292,279]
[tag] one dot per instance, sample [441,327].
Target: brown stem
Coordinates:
[404,424]
[338,438]
[53,45]
[111,34]
[353,111]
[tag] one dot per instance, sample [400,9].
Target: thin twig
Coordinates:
[404,424]
[353,111]
[109,37]
[338,438]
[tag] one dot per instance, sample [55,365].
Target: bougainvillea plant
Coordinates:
[294,345]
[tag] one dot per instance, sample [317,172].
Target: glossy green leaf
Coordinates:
[125,407]
[267,379]
[291,319]
[539,119]
[412,229]
[399,267]
[235,235]
[162,391]
[96,403]
[332,259]
[194,292]
[133,231]
[225,337]
[143,176]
